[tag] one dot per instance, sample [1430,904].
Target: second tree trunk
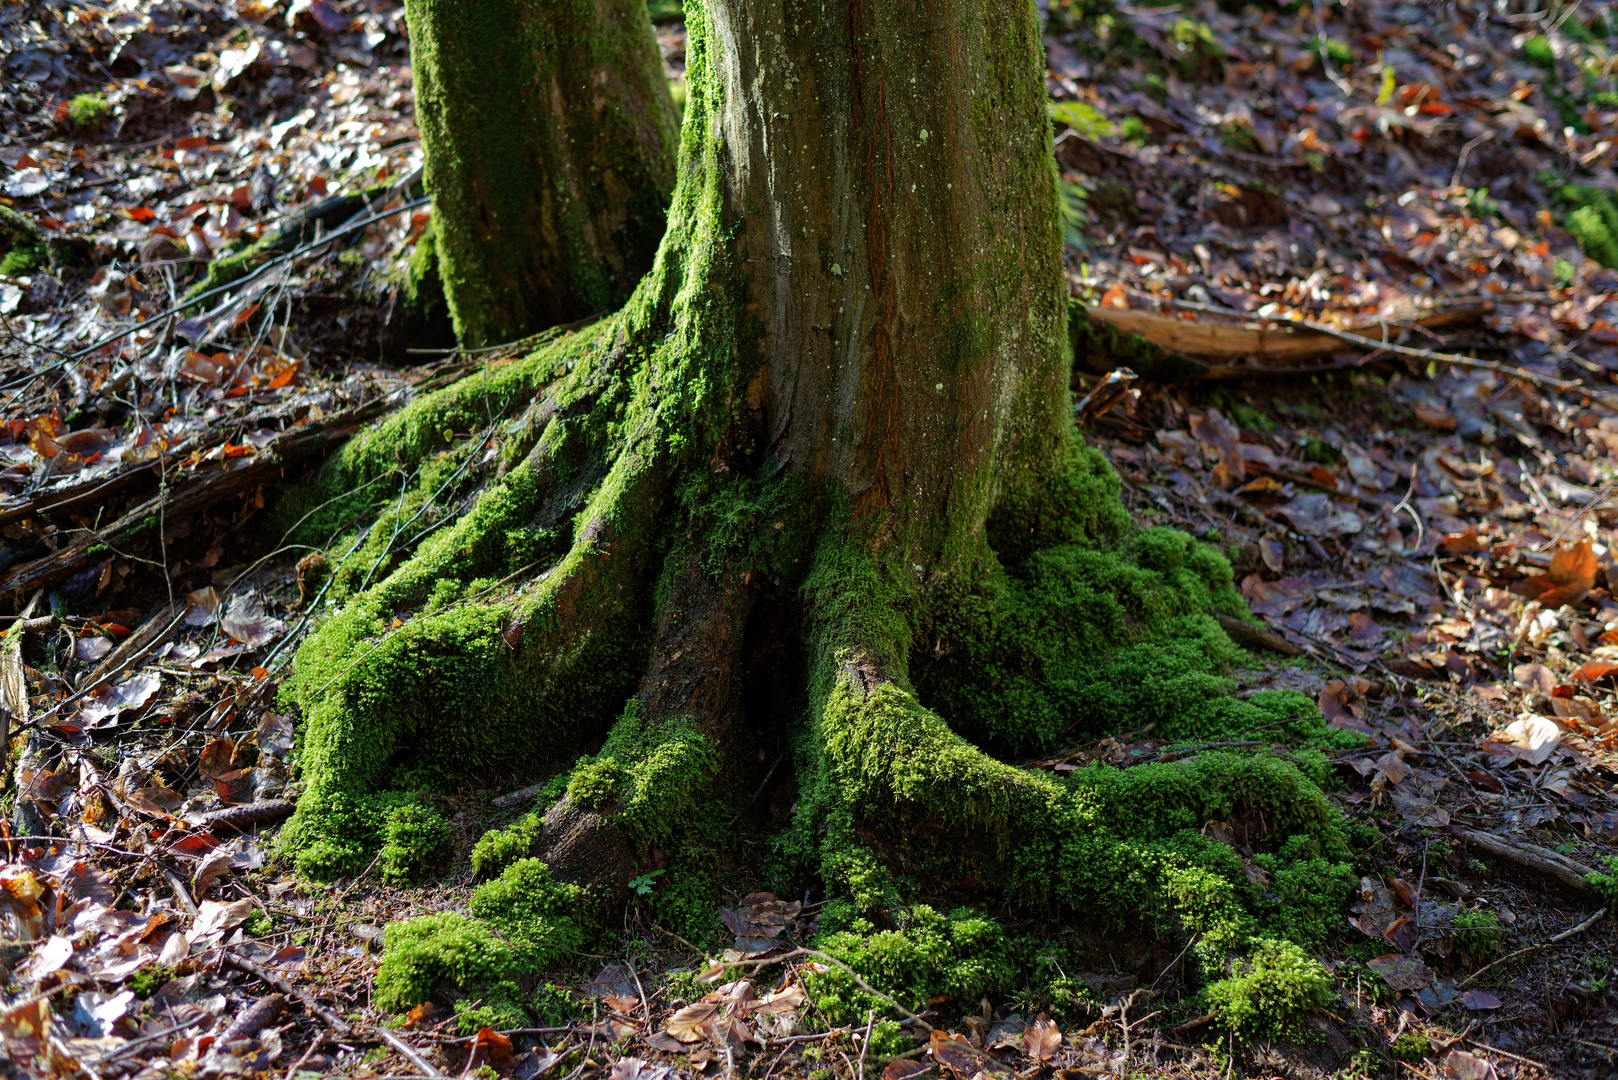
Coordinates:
[549,137]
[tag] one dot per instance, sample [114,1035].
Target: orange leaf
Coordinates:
[1462,543]
[1114,297]
[1596,669]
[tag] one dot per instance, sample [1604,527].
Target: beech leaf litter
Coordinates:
[1349,312]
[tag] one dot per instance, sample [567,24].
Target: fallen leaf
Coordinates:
[1460,1065]
[1041,1040]
[956,1054]
[693,1023]
[1571,575]
[1401,972]
[903,1069]
[490,1049]
[91,649]
[1533,738]
[1480,999]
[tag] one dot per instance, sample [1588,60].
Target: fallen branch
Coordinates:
[408,1052]
[202,489]
[1256,637]
[1198,338]
[1540,860]
[275,982]
[1573,931]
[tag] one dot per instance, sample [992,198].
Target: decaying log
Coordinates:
[198,491]
[1540,860]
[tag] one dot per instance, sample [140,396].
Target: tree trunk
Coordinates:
[549,137]
[814,489]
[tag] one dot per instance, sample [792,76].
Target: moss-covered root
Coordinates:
[673,739]
[880,773]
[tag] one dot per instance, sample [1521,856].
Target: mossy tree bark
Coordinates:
[549,137]
[815,486]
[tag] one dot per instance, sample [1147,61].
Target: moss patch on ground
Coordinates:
[485,964]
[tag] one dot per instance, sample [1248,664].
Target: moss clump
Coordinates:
[1479,935]
[534,914]
[412,836]
[23,243]
[87,111]
[427,322]
[1606,885]
[399,823]
[1267,992]
[499,848]
[964,955]
[149,980]
[1593,222]
[1411,1047]
[1537,51]
[524,922]
[418,954]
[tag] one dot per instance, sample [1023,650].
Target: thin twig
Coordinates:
[408,1052]
[325,1015]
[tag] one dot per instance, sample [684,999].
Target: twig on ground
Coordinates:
[1571,931]
[865,1043]
[408,1052]
[325,1015]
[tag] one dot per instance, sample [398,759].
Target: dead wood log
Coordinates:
[1237,335]
[1540,860]
[1249,636]
[210,484]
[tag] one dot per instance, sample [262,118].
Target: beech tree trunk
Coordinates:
[814,492]
[549,138]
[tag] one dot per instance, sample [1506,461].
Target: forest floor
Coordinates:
[1376,229]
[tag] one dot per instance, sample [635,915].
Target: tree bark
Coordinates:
[549,136]
[826,444]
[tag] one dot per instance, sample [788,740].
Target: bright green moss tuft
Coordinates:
[964,955]
[87,110]
[1537,51]
[535,915]
[1479,934]
[420,953]
[1593,222]
[412,836]
[1267,992]
[1606,885]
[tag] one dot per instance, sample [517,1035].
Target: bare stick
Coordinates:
[325,1015]
[1600,914]
[865,1043]
[407,1051]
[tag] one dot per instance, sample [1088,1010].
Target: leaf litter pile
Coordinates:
[1359,260]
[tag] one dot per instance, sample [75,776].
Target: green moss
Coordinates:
[499,848]
[1266,994]
[1537,51]
[1606,885]
[1479,935]
[535,915]
[412,837]
[426,315]
[1593,221]
[964,955]
[149,980]
[1411,1047]
[419,954]
[87,110]
[549,198]
[23,243]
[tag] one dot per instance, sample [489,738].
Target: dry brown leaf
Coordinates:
[694,1022]
[903,1069]
[1042,1039]
[1571,575]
